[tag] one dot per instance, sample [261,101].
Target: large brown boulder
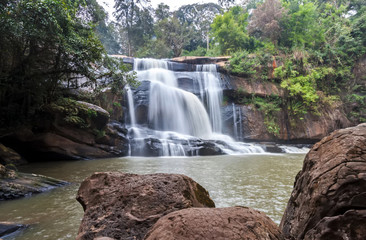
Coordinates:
[218,223]
[124,206]
[329,196]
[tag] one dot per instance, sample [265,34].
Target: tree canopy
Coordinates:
[45,45]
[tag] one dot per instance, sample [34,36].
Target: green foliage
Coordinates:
[301,28]
[117,104]
[174,34]
[107,34]
[199,51]
[136,21]
[162,11]
[155,48]
[45,46]
[243,64]
[99,133]
[75,121]
[214,51]
[92,113]
[270,107]
[358,102]
[229,31]
[70,112]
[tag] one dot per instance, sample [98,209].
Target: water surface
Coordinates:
[263,182]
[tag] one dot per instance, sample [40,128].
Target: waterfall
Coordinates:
[181,112]
[213,92]
[235,122]
[133,131]
[131,106]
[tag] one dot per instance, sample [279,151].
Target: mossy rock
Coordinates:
[97,116]
[79,114]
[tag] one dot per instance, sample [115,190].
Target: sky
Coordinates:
[173,4]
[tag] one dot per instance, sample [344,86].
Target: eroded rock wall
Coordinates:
[308,128]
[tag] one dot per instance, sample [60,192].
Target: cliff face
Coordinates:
[310,127]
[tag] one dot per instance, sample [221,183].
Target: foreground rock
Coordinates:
[220,223]
[15,184]
[124,206]
[329,196]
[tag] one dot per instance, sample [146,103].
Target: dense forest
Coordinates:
[313,47]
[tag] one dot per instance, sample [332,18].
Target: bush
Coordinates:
[241,63]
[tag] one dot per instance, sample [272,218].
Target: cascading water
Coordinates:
[181,113]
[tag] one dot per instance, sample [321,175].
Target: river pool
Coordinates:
[263,182]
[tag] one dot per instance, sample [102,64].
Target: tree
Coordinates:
[133,16]
[173,33]
[107,34]
[301,26]
[162,12]
[45,46]
[265,21]
[199,18]
[229,31]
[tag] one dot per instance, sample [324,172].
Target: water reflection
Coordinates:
[263,182]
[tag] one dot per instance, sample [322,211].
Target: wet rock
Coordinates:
[125,206]
[310,129]
[200,60]
[330,191]
[15,185]
[219,223]
[98,115]
[181,67]
[9,156]
[209,149]
[7,228]
[50,145]
[112,103]
[238,87]
[273,148]
[70,143]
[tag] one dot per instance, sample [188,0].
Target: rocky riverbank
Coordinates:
[14,184]
[328,201]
